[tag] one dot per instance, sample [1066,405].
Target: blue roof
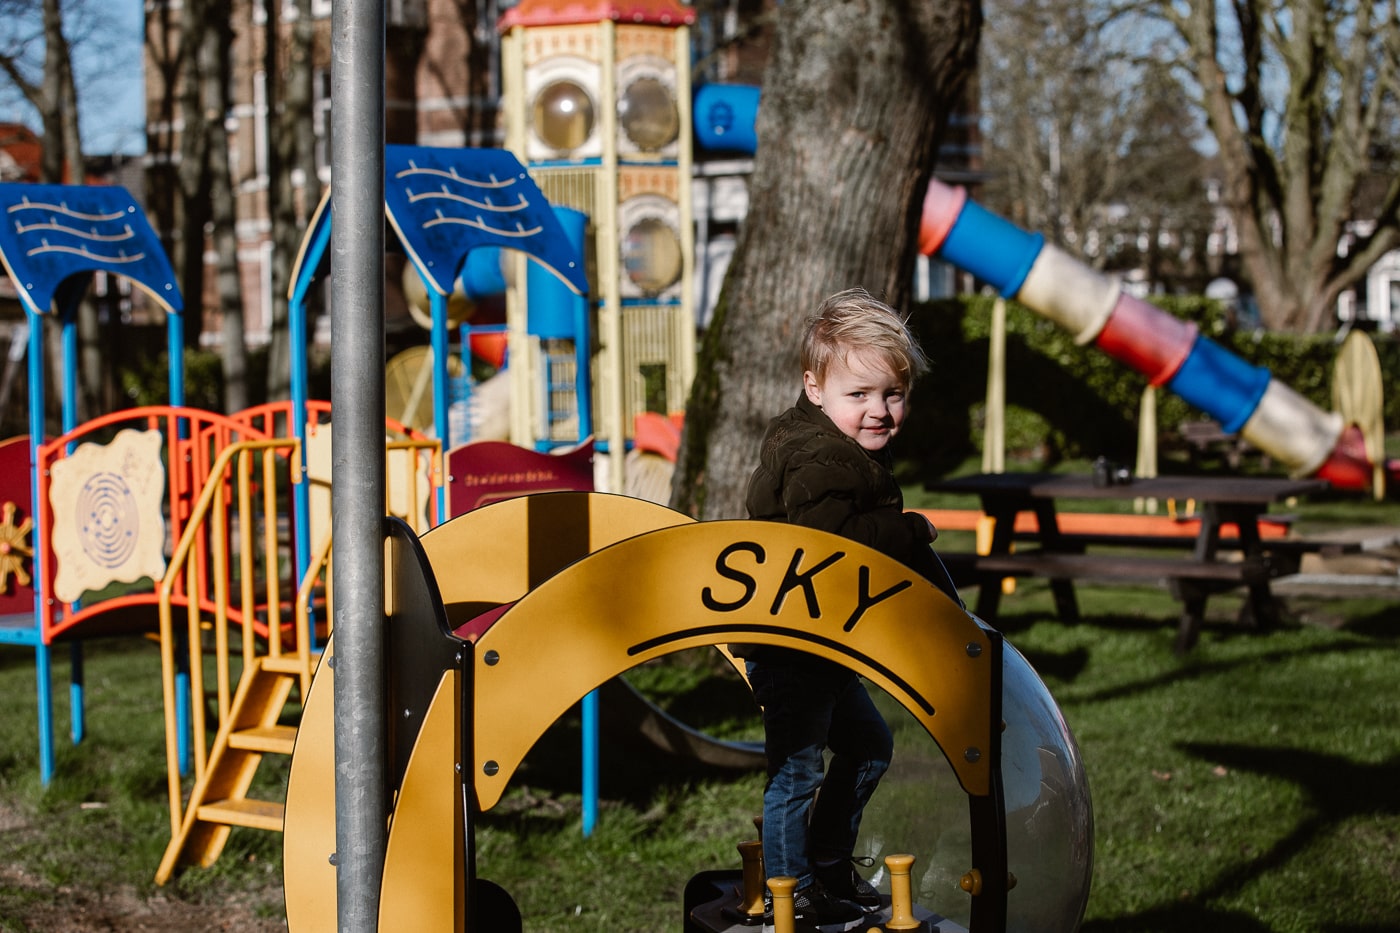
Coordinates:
[444,203]
[51,233]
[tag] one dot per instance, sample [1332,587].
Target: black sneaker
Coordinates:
[814,906]
[845,882]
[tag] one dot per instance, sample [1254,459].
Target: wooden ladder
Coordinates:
[219,799]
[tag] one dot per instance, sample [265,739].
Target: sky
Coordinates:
[111,95]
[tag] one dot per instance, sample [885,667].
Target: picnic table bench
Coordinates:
[1215,562]
[1284,555]
[1190,582]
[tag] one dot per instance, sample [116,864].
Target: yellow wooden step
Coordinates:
[255,814]
[272,740]
[287,664]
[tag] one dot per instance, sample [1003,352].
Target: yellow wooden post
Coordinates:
[994,431]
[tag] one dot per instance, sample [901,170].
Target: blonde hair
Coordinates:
[853,320]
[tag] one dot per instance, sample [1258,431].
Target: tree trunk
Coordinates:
[163,66]
[214,90]
[192,209]
[61,162]
[50,104]
[293,151]
[854,100]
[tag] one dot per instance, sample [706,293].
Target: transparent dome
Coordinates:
[563,115]
[920,810]
[1049,817]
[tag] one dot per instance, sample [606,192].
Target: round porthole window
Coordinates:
[563,115]
[647,111]
[651,255]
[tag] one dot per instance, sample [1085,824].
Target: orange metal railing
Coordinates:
[234,552]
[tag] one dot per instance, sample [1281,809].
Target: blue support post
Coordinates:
[583,382]
[77,709]
[301,492]
[42,661]
[441,390]
[175,352]
[590,762]
[77,688]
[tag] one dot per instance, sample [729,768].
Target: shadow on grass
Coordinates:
[1379,624]
[1013,623]
[1337,789]
[715,704]
[1061,666]
[1065,667]
[1197,669]
[1193,917]
[633,772]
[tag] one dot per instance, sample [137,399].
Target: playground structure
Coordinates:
[465,650]
[440,816]
[106,502]
[53,240]
[232,547]
[453,212]
[429,851]
[240,502]
[233,451]
[597,105]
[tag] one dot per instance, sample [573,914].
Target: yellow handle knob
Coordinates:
[752,854]
[971,882]
[901,894]
[783,918]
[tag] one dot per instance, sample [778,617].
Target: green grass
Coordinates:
[101,825]
[1253,785]
[1250,786]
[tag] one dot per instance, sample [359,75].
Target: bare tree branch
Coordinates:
[1297,94]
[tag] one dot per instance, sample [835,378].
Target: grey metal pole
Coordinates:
[357,489]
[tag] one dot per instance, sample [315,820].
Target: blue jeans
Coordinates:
[811,705]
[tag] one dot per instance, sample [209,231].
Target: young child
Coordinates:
[825,463]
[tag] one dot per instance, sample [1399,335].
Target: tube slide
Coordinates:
[1245,399]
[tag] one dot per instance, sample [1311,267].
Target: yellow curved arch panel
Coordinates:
[308,831]
[492,555]
[425,859]
[710,583]
[497,553]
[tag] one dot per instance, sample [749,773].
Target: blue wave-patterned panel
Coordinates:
[446,202]
[49,233]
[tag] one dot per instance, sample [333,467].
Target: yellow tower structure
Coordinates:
[597,106]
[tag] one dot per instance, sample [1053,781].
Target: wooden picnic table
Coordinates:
[1217,562]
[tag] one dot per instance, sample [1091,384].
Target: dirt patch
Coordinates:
[71,909]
